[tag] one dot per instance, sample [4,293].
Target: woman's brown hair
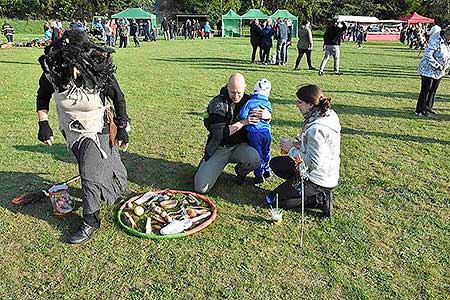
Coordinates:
[313,94]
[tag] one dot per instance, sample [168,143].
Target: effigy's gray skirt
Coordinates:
[100,177]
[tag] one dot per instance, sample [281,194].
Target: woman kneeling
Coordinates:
[314,156]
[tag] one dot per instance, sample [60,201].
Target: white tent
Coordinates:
[357,19]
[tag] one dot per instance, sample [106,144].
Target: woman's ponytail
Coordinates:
[324,104]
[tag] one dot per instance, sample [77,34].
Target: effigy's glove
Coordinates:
[122,135]
[45,133]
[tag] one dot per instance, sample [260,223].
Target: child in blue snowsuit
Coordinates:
[259,135]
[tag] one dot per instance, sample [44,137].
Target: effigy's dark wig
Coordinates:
[75,59]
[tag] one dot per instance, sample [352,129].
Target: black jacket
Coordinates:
[333,34]
[223,112]
[255,34]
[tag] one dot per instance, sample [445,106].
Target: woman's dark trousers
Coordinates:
[288,196]
[427,93]
[255,47]
[265,54]
[300,55]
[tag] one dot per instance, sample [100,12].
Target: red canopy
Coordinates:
[415,18]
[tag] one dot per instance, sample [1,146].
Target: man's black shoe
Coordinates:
[431,111]
[337,73]
[241,179]
[320,73]
[258,179]
[83,234]
[312,68]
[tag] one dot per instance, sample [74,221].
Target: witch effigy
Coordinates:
[92,117]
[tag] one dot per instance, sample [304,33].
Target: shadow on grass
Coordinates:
[18,62]
[213,63]
[383,112]
[393,95]
[401,137]
[204,60]
[14,184]
[146,172]
[220,63]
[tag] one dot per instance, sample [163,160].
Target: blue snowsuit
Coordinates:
[259,135]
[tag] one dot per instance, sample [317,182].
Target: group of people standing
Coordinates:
[193,29]
[261,37]
[169,29]
[414,36]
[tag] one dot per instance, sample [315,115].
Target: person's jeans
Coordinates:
[166,34]
[108,40]
[331,50]
[136,40]
[427,93]
[246,157]
[300,55]
[123,42]
[9,38]
[265,54]
[113,40]
[281,51]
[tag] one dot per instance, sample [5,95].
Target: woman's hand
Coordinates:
[286,145]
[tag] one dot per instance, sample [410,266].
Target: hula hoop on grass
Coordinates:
[153,236]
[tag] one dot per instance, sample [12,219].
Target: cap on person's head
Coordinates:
[263,87]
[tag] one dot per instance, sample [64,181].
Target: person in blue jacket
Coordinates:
[259,135]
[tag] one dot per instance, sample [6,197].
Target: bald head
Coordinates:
[236,87]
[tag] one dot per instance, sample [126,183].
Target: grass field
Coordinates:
[388,239]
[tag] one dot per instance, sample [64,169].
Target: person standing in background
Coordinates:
[266,41]
[255,39]
[304,45]
[113,26]
[331,44]
[432,67]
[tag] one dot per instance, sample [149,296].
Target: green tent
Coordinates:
[136,13]
[251,15]
[231,24]
[285,14]
[254,14]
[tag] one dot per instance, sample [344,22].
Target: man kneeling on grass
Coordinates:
[227,141]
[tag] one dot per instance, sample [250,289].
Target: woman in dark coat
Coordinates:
[266,41]
[255,38]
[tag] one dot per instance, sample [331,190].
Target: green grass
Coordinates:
[388,239]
